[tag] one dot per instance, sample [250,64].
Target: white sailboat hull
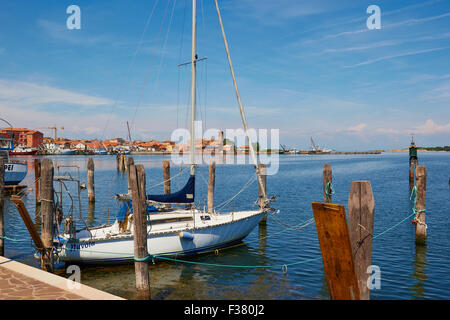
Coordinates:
[218,232]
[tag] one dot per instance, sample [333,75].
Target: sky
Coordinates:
[306,68]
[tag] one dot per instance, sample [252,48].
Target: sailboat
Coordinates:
[174,231]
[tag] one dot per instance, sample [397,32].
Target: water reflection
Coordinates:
[419,275]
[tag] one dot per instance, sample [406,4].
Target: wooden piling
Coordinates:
[327,186]
[130,163]
[124,163]
[361,207]
[166,176]
[334,240]
[421,185]
[137,180]
[118,162]
[2,226]
[262,200]
[211,183]
[37,179]
[47,212]
[90,180]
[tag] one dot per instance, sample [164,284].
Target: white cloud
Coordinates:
[357,128]
[22,94]
[393,56]
[430,127]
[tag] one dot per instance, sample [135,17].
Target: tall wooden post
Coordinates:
[90,180]
[262,201]
[361,206]
[327,186]
[211,183]
[122,169]
[124,163]
[118,162]
[219,153]
[37,179]
[137,180]
[337,257]
[421,185]
[2,226]
[47,212]
[166,176]
[130,163]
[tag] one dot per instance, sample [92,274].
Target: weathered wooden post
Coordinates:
[2,226]
[262,200]
[334,240]
[47,212]
[211,183]
[361,206]
[37,179]
[90,180]
[137,180]
[130,163]
[118,162]
[166,176]
[327,185]
[413,162]
[124,163]
[421,185]
[219,154]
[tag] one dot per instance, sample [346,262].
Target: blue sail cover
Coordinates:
[126,207]
[185,195]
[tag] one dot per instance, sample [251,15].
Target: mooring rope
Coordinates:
[413,197]
[225,203]
[282,266]
[329,189]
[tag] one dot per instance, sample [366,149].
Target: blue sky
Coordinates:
[308,68]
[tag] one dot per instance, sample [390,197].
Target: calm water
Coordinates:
[407,271]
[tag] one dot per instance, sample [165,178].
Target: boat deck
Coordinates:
[164,222]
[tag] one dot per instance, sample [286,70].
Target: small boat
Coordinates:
[61,151]
[23,151]
[100,151]
[15,171]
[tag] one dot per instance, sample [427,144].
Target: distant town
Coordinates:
[29,141]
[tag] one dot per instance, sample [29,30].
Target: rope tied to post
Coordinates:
[148,256]
[329,189]
[413,197]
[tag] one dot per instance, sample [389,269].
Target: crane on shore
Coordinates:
[55,128]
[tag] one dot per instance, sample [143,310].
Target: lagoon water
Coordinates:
[254,269]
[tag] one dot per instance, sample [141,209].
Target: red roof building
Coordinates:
[24,137]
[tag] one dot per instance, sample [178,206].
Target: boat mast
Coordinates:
[241,109]
[193,81]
